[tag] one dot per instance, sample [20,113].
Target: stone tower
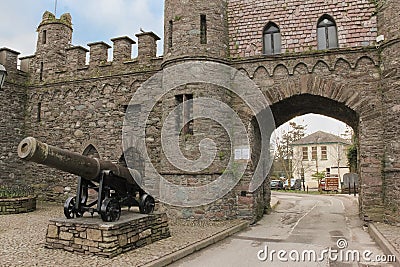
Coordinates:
[389,27]
[54,37]
[195,28]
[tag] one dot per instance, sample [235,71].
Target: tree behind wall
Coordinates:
[284,150]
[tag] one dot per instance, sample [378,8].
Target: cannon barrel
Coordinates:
[33,150]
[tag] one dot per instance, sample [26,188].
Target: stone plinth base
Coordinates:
[92,236]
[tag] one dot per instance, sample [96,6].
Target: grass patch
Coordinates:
[15,191]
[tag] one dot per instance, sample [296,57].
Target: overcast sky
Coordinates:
[93,20]
[101,20]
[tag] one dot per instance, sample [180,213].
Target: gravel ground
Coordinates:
[22,239]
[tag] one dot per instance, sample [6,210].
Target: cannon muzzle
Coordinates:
[88,168]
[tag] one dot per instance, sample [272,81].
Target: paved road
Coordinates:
[300,225]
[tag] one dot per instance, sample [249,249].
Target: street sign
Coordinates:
[331,184]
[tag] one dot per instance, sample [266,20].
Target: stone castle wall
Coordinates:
[72,104]
[12,127]
[388,22]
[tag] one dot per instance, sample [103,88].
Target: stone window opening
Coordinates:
[41,71]
[271,39]
[203,29]
[170,32]
[327,33]
[183,120]
[39,111]
[91,152]
[44,37]
[305,153]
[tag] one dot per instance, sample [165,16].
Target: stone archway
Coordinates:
[359,109]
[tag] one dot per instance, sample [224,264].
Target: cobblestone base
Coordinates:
[92,236]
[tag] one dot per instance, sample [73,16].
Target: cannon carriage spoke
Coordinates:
[110,210]
[70,210]
[146,204]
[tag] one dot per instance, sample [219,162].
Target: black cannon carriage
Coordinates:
[114,184]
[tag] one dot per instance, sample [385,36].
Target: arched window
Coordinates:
[91,152]
[272,39]
[327,33]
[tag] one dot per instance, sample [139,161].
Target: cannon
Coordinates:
[114,184]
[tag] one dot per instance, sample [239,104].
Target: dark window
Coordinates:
[324,153]
[44,37]
[328,172]
[183,116]
[327,33]
[271,39]
[41,72]
[39,111]
[203,29]
[91,152]
[170,31]
[314,153]
[305,153]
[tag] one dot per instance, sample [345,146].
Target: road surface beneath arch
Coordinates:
[305,228]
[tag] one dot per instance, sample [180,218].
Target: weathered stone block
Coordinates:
[122,240]
[66,236]
[52,231]
[93,234]
[145,234]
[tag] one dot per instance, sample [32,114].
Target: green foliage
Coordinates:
[318,175]
[352,157]
[12,191]
[379,5]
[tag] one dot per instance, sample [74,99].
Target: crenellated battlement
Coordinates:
[56,59]
[50,18]
[9,58]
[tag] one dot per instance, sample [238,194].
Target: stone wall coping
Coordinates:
[16,199]
[152,34]
[78,47]
[99,43]
[9,50]
[316,53]
[96,222]
[123,38]
[27,57]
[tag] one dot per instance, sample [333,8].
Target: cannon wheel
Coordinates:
[146,204]
[69,209]
[110,210]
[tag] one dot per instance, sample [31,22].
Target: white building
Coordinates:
[320,152]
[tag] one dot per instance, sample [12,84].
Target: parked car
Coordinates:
[276,184]
[295,184]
